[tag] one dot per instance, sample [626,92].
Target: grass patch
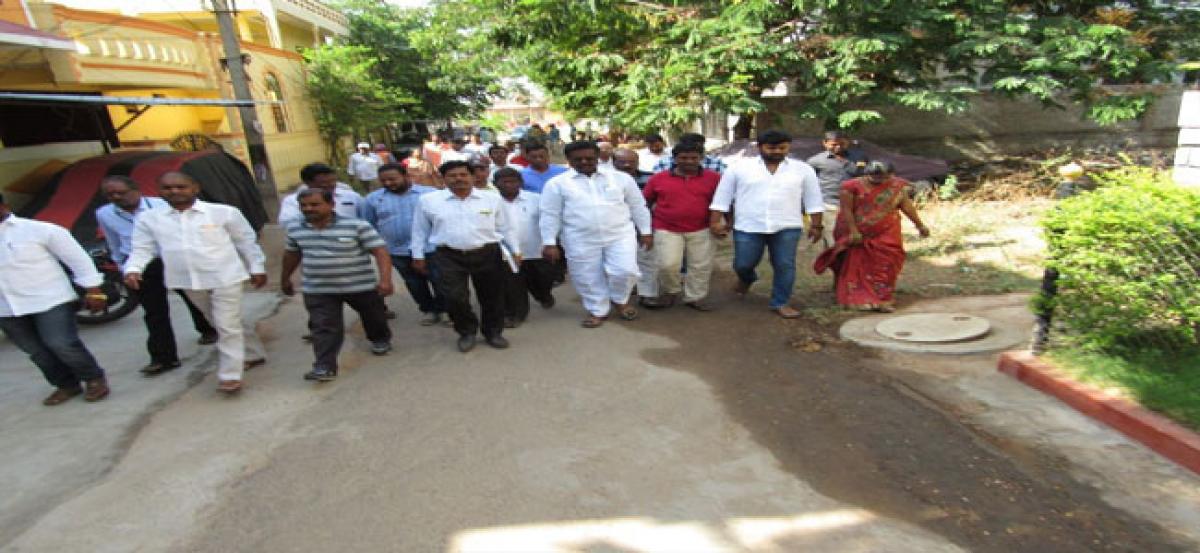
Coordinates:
[1168,383]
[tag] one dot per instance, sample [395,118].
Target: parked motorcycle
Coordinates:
[120,301]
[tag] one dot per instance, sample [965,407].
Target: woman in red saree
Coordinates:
[868,252]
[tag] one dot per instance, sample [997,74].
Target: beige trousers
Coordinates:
[671,247]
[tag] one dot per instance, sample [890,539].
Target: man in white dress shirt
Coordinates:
[535,276]
[208,251]
[37,304]
[466,225]
[597,213]
[117,219]
[318,175]
[364,166]
[769,196]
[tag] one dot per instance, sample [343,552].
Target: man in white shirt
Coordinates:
[117,219]
[596,212]
[467,225]
[364,166]
[37,304]
[208,251]
[605,161]
[457,151]
[535,276]
[318,175]
[654,152]
[769,197]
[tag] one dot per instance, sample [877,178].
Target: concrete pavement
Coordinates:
[573,440]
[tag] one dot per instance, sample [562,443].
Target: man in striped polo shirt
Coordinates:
[336,253]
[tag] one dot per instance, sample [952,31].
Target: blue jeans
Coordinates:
[748,251]
[421,287]
[51,339]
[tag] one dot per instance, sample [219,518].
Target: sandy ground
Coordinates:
[679,431]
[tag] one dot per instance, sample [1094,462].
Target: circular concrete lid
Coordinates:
[933,327]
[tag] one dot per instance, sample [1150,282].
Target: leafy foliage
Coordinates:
[1129,258]
[653,63]
[346,93]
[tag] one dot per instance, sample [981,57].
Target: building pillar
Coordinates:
[1187,157]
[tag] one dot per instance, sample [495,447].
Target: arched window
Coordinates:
[275,94]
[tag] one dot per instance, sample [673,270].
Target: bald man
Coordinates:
[626,160]
[208,251]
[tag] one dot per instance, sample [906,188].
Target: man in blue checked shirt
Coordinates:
[390,210]
[116,220]
[712,163]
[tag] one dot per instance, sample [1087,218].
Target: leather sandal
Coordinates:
[229,386]
[593,321]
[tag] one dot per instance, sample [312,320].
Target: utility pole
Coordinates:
[251,127]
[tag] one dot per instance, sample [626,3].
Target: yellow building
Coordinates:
[108,48]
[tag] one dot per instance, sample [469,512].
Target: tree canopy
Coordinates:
[653,63]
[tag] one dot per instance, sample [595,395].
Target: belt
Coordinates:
[481,249]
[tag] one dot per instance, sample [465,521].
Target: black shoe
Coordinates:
[466,342]
[320,375]
[498,342]
[207,339]
[547,303]
[381,348]
[389,314]
[159,367]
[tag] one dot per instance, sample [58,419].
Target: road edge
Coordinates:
[1155,431]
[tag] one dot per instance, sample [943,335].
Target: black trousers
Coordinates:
[160,337]
[536,278]
[482,268]
[328,330]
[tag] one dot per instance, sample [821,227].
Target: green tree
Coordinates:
[411,61]
[345,93]
[648,63]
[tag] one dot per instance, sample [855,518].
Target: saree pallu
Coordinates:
[866,273]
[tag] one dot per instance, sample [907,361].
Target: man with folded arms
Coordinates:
[37,303]
[336,255]
[467,225]
[208,251]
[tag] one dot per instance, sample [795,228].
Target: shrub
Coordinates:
[1128,255]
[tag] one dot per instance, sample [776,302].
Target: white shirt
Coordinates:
[32,279]
[443,219]
[766,202]
[364,166]
[647,159]
[524,211]
[204,247]
[346,201]
[606,165]
[455,155]
[598,209]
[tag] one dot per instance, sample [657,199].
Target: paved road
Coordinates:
[679,431]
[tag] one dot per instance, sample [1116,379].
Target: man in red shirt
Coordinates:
[680,198]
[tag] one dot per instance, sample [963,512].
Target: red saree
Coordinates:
[866,273]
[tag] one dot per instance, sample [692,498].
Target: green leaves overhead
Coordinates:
[653,63]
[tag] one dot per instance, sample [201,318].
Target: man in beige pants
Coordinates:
[680,197]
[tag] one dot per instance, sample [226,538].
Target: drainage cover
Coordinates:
[934,327]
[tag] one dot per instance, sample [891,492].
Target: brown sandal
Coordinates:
[593,321]
[229,386]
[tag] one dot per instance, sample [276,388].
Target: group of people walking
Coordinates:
[504,232]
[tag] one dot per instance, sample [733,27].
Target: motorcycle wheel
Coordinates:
[120,303]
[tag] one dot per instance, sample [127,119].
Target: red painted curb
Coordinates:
[1157,432]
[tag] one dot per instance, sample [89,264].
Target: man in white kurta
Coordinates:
[208,251]
[596,213]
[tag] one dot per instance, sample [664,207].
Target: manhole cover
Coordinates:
[934,327]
